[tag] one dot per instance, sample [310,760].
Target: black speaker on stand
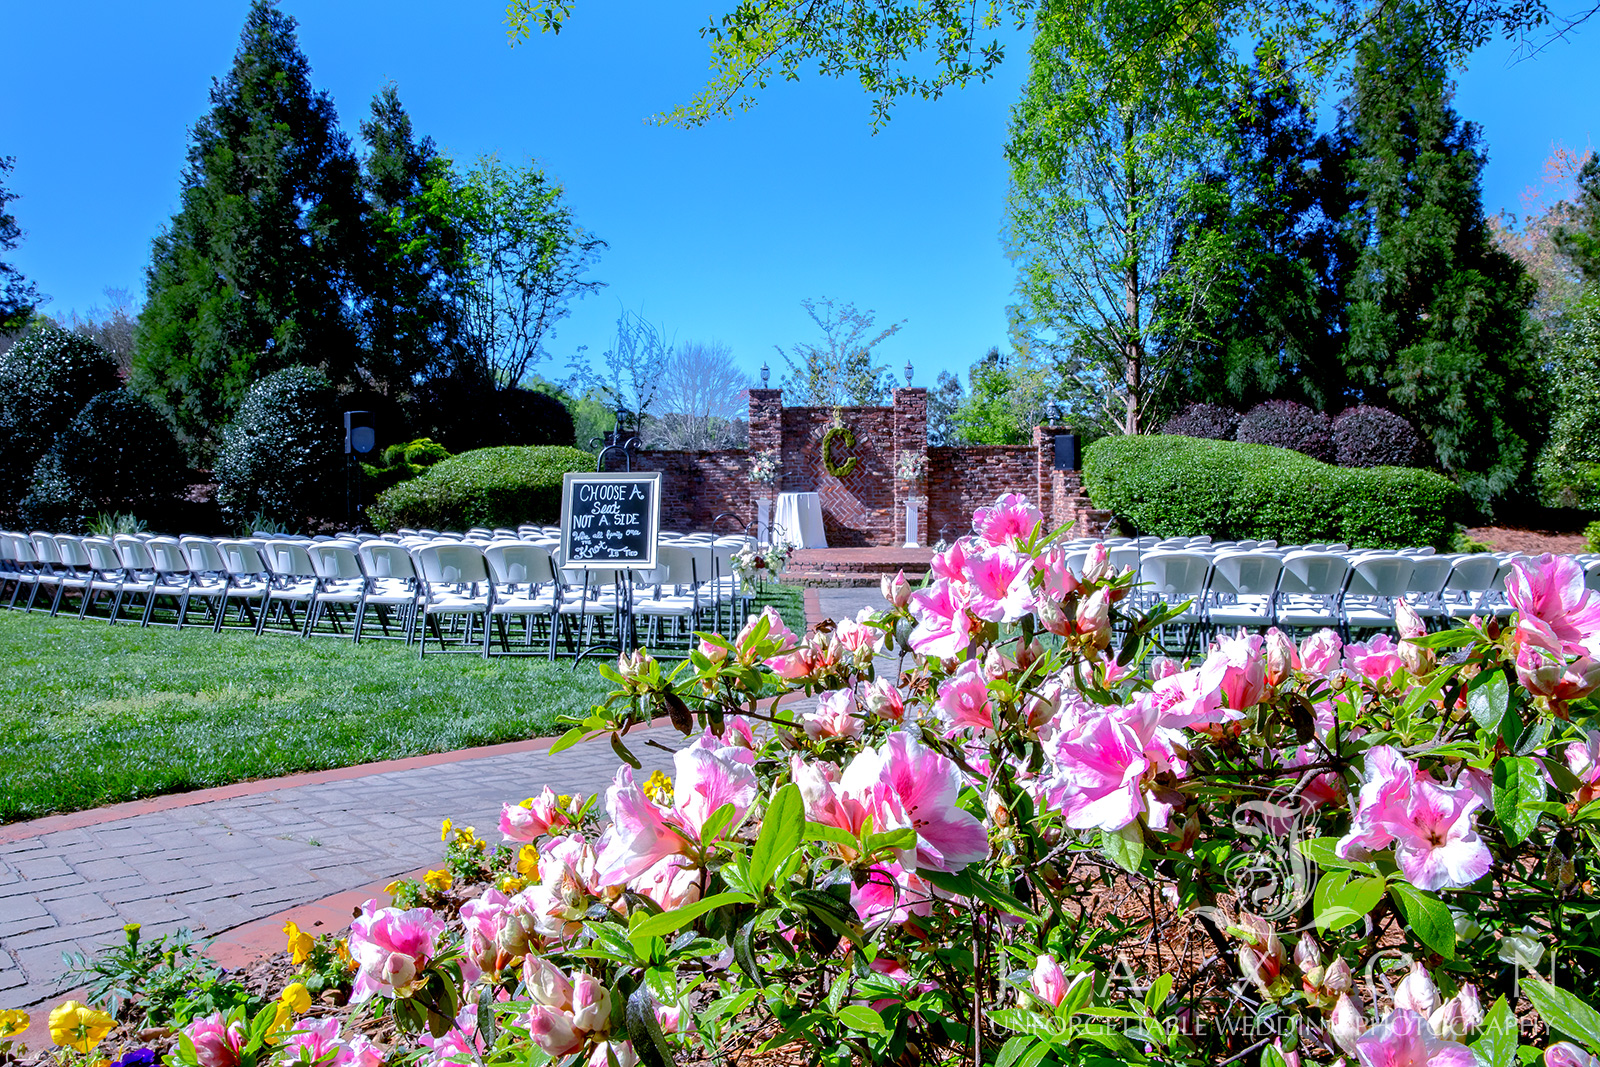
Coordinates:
[1066,458]
[360,438]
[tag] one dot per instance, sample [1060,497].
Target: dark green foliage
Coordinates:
[465,412]
[1183,487]
[403,462]
[255,271]
[1372,437]
[1268,199]
[1285,424]
[1436,315]
[117,456]
[1579,238]
[281,459]
[45,379]
[418,249]
[1569,466]
[18,296]
[1212,421]
[486,487]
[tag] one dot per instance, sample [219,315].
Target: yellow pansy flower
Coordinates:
[511,885]
[13,1022]
[444,829]
[438,881]
[341,948]
[528,862]
[300,943]
[78,1026]
[297,996]
[658,787]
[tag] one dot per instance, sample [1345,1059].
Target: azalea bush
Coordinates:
[1038,840]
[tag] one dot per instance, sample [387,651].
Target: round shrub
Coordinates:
[45,379]
[118,456]
[1182,487]
[1372,437]
[1286,424]
[281,457]
[485,487]
[1204,420]
[404,461]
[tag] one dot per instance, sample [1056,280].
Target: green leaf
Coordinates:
[1428,918]
[717,823]
[816,831]
[1517,782]
[1497,1041]
[1157,994]
[782,830]
[1124,847]
[1488,699]
[670,921]
[568,739]
[1320,850]
[971,884]
[1564,1012]
[744,953]
[860,1017]
[1271,1057]
[644,1029]
[623,752]
[1459,637]
[1013,1049]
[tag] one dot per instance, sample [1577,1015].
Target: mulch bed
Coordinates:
[1533,542]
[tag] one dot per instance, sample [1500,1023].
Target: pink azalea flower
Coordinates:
[835,716]
[999,586]
[591,1002]
[1059,580]
[793,665]
[552,1029]
[1554,608]
[1282,658]
[1547,674]
[1099,771]
[639,836]
[857,637]
[1097,565]
[620,1053]
[951,563]
[1011,520]
[709,774]
[944,629]
[315,1041]
[890,894]
[902,783]
[884,700]
[536,816]
[391,948]
[554,907]
[1377,660]
[1404,1039]
[483,918]
[713,651]
[1093,620]
[461,1044]
[964,698]
[671,883]
[217,1042]
[1583,760]
[825,800]
[1244,670]
[1566,1054]
[1321,653]
[1193,697]
[1048,981]
[1429,824]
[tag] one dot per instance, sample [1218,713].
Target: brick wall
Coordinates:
[961,480]
[696,487]
[867,506]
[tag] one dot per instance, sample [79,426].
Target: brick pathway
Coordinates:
[216,859]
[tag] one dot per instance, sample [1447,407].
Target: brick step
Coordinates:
[864,561]
[817,579]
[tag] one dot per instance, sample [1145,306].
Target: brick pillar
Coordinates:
[1051,490]
[766,432]
[910,435]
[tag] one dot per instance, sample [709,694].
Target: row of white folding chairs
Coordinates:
[269,577]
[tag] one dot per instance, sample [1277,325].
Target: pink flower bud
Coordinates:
[712,651]
[552,1030]
[1459,1016]
[896,590]
[546,984]
[591,1002]
[1308,956]
[1346,1022]
[1566,1054]
[1407,621]
[1049,982]
[1053,618]
[1262,957]
[1094,618]
[1416,992]
[1281,656]
[1097,566]
[1336,977]
[619,1052]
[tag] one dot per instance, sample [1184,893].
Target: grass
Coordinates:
[92,714]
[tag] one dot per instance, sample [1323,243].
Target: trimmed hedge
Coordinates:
[1182,487]
[485,487]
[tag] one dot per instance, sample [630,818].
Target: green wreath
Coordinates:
[842,469]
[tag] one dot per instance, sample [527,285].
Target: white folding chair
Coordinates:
[392,586]
[208,575]
[1376,581]
[1428,575]
[525,587]
[47,567]
[292,580]
[1470,579]
[138,576]
[1179,577]
[105,568]
[1310,590]
[455,582]
[76,575]
[248,579]
[340,582]
[1243,587]
[173,579]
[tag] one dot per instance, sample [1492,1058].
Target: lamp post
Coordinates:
[908,374]
[766,372]
[1052,411]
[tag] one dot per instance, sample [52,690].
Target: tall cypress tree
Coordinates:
[1437,325]
[418,252]
[255,271]
[18,296]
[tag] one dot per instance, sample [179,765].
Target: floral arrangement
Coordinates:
[765,466]
[1040,842]
[910,465]
[754,562]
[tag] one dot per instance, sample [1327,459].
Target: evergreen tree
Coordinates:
[255,271]
[1578,238]
[18,297]
[1437,325]
[418,253]
[1271,332]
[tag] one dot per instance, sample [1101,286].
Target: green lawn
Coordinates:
[91,714]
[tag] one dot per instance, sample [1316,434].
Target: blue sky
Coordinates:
[715,233]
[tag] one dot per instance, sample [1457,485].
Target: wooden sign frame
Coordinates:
[572,489]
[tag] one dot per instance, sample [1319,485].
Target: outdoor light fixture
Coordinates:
[766,372]
[908,374]
[1052,411]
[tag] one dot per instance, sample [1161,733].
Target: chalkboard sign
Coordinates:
[610,521]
